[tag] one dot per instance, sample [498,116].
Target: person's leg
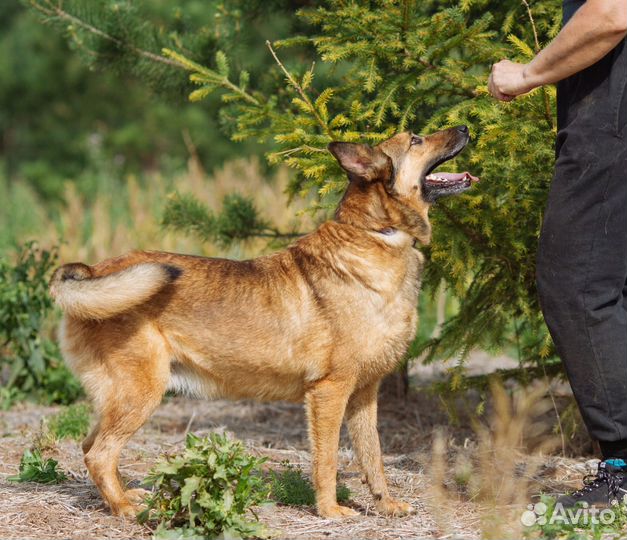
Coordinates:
[582,270]
[582,256]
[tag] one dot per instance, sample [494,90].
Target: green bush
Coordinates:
[8,396]
[61,119]
[206,491]
[30,362]
[34,468]
[291,487]
[71,423]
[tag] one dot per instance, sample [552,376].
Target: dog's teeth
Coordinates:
[435,178]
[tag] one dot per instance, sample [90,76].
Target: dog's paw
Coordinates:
[126,510]
[132,504]
[392,507]
[137,495]
[336,512]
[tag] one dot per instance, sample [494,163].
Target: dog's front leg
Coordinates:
[326,403]
[361,416]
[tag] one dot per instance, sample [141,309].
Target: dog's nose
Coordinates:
[462,129]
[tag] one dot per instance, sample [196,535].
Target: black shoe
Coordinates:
[607,488]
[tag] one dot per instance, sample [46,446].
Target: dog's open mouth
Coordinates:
[450,180]
[436,184]
[442,184]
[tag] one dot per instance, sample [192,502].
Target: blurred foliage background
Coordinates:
[63,119]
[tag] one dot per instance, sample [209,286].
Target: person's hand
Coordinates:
[508,80]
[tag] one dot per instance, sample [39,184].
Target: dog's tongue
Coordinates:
[452,177]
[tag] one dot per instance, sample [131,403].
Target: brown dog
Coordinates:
[323,320]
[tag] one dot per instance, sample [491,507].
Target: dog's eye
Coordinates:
[415,140]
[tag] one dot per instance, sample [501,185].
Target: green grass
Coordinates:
[34,468]
[9,397]
[291,487]
[70,423]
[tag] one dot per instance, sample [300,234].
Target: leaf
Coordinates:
[220,473]
[189,489]
[522,47]
[201,93]
[170,467]
[372,77]
[324,97]
[179,533]
[307,78]
[227,500]
[302,105]
[244,79]
[222,63]
[230,534]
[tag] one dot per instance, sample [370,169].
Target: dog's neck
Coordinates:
[367,205]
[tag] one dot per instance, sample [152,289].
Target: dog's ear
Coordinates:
[362,160]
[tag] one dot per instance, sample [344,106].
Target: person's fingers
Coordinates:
[497,94]
[501,96]
[504,97]
[493,87]
[490,87]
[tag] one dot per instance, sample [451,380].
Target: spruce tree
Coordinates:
[362,71]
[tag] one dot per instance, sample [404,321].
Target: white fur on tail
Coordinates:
[104,297]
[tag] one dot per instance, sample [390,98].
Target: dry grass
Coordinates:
[126,214]
[428,476]
[141,210]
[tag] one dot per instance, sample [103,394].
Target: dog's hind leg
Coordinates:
[361,418]
[88,442]
[135,390]
[325,404]
[121,418]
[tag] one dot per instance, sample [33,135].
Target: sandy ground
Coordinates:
[74,509]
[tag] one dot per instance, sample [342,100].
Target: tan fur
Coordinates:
[322,321]
[83,296]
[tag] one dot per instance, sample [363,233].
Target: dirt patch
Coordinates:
[75,510]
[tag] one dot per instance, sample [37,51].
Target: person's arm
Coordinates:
[594,30]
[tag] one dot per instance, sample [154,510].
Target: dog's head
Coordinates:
[404,166]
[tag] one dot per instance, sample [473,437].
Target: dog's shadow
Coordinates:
[405,423]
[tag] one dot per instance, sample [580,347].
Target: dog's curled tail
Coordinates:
[80,294]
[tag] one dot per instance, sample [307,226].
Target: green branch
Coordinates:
[203,75]
[301,91]
[55,10]
[547,104]
[238,220]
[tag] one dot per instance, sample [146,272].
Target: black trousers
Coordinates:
[582,256]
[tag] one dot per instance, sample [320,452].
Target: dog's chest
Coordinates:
[397,316]
[383,316]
